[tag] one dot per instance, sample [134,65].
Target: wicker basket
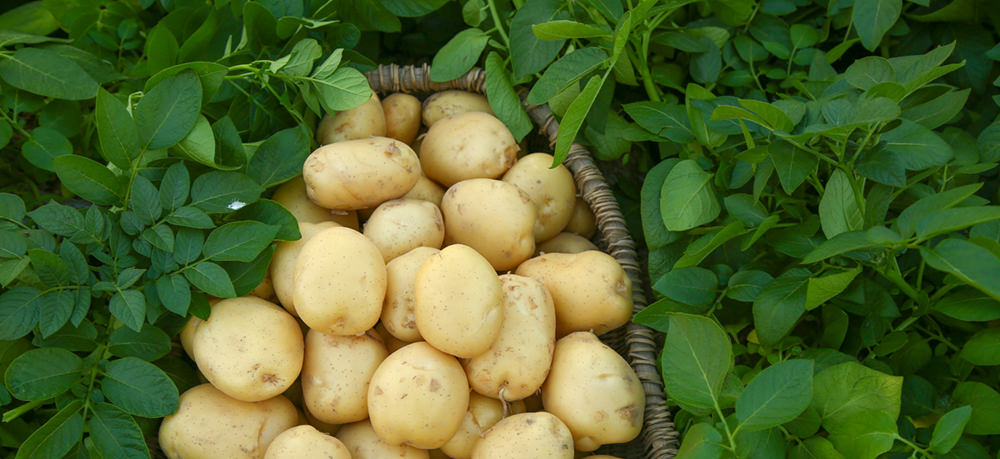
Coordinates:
[635,342]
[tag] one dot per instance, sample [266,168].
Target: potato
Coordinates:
[452,102]
[402,117]
[401,225]
[187,335]
[418,397]
[359,174]
[265,289]
[363,443]
[594,391]
[282,267]
[566,243]
[426,190]
[526,436]
[483,413]
[552,190]
[493,217]
[590,289]
[339,282]
[516,364]
[306,441]
[365,120]
[457,301]
[397,308]
[249,348]
[336,373]
[209,424]
[292,196]
[392,344]
[465,146]
[582,222]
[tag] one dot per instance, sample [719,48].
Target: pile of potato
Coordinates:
[402,340]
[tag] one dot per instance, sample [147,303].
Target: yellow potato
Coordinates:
[339,282]
[249,348]
[516,365]
[590,289]
[526,436]
[292,196]
[552,190]
[594,391]
[401,225]
[365,120]
[336,373]
[483,413]
[465,146]
[452,102]
[306,441]
[493,217]
[187,335]
[426,190]
[392,344]
[566,243]
[457,301]
[283,263]
[418,397]
[264,290]
[359,174]
[364,443]
[402,117]
[582,222]
[211,425]
[397,308]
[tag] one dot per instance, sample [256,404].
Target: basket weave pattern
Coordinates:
[635,342]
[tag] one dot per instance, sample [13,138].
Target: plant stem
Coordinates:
[496,22]
[17,412]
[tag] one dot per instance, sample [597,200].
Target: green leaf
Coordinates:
[190,217]
[299,62]
[144,200]
[873,18]
[918,147]
[188,245]
[968,304]
[702,441]
[167,112]
[792,164]
[692,286]
[247,276]
[115,433]
[502,98]
[746,285]
[867,72]
[13,244]
[175,293]
[774,116]
[779,305]
[129,306]
[815,448]
[669,121]
[823,289]
[969,262]
[687,199]
[199,144]
[224,191]
[839,212]
[654,231]
[344,89]
[412,8]
[908,218]
[45,146]
[864,434]
[211,279]
[983,348]
[55,309]
[565,29]
[140,388]
[529,54]
[19,311]
[58,219]
[51,269]
[210,74]
[11,207]
[274,214]
[988,143]
[745,208]
[803,36]
[760,443]
[161,48]
[458,56]
[575,115]
[280,157]
[566,71]
[57,436]
[238,241]
[88,179]
[950,220]
[115,130]
[846,390]
[175,186]
[878,236]
[776,395]
[949,429]
[707,243]
[149,343]
[44,373]
[985,401]
[696,357]
[43,72]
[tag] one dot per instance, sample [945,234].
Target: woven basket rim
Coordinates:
[658,439]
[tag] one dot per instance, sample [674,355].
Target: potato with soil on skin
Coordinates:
[292,196]
[336,373]
[363,443]
[282,267]
[249,348]
[590,289]
[457,302]
[426,190]
[594,391]
[565,243]
[583,221]
[483,413]
[402,117]
[465,146]
[339,282]
[443,104]
[516,364]
[552,190]
[210,424]
[526,436]
[494,217]
[358,174]
[401,225]
[397,309]
[306,441]
[418,397]
[365,120]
